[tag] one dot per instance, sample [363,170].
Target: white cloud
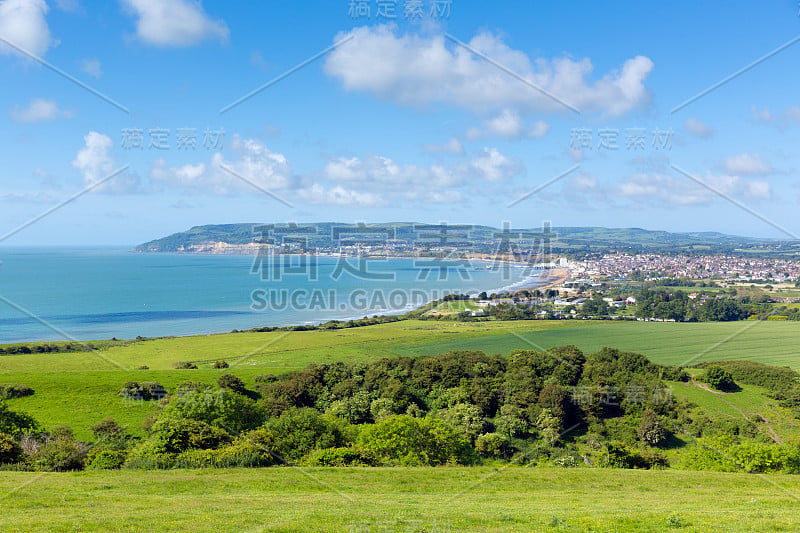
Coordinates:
[698,128]
[492,165]
[415,70]
[539,129]
[338,195]
[175,22]
[420,184]
[507,124]
[95,163]
[39,110]
[664,188]
[781,119]
[92,67]
[256,167]
[746,164]
[23,23]
[453,146]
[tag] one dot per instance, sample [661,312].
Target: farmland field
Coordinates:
[79,389]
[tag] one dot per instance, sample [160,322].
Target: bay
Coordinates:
[99,293]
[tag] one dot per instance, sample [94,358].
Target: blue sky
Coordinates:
[447,118]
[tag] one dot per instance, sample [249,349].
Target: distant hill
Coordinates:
[241,238]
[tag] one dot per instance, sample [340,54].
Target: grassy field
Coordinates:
[399,499]
[80,389]
[663,342]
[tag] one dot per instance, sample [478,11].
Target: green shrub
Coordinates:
[651,431]
[10,450]
[178,435]
[465,418]
[185,365]
[771,377]
[338,457]
[492,445]
[355,409]
[221,408]
[298,431]
[146,390]
[15,424]
[106,459]
[720,379]
[9,391]
[60,453]
[221,364]
[404,440]
[232,383]
[243,454]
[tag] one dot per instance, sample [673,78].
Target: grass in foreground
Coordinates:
[399,499]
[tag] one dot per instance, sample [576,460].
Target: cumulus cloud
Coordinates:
[338,195]
[698,128]
[664,188]
[23,23]
[416,70]
[255,167]
[507,124]
[175,22]
[435,183]
[492,165]
[39,110]
[747,164]
[95,163]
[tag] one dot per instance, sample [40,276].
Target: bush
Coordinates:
[297,432]
[176,436]
[111,434]
[15,424]
[9,391]
[492,445]
[105,459]
[338,457]
[265,378]
[221,408]
[10,450]
[60,453]
[651,431]
[185,365]
[720,379]
[232,383]
[145,391]
[221,364]
[404,440]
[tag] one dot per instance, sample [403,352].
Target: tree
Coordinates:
[595,306]
[407,440]
[720,378]
[651,431]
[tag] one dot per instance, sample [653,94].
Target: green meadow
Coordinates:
[399,499]
[80,388]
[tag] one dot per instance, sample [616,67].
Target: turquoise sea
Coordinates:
[99,293]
